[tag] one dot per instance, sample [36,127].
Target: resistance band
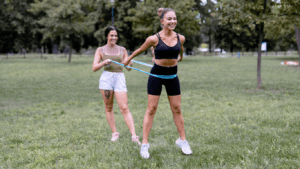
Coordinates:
[158,76]
[142,63]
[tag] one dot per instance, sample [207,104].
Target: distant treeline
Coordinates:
[57,26]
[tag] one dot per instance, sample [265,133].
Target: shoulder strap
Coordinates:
[103,50]
[158,36]
[121,51]
[178,37]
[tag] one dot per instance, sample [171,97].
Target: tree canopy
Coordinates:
[77,24]
[145,21]
[16,25]
[254,14]
[63,19]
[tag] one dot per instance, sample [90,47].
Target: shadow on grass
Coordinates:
[285,58]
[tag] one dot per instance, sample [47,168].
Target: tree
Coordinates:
[285,41]
[226,37]
[289,15]
[16,23]
[64,19]
[209,22]
[253,13]
[131,40]
[298,41]
[7,34]
[145,21]
[101,18]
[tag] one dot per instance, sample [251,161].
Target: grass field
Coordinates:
[52,115]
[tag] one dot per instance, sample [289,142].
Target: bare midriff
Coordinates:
[166,62]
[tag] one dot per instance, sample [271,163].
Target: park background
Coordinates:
[241,109]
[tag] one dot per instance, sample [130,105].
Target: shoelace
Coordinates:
[185,145]
[144,148]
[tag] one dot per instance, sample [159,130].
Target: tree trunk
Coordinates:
[209,40]
[259,81]
[23,50]
[70,54]
[66,51]
[298,42]
[42,50]
[261,36]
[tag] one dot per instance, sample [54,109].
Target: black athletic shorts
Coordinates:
[154,85]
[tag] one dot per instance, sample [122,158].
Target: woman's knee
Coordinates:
[108,108]
[124,109]
[151,109]
[176,109]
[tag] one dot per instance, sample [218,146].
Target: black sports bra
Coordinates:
[163,51]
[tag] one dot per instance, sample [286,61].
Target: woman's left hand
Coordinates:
[179,59]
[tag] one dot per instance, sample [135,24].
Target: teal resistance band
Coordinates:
[142,63]
[158,76]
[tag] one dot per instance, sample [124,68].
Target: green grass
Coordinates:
[52,115]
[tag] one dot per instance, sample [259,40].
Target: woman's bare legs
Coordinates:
[149,116]
[177,116]
[122,100]
[179,122]
[108,96]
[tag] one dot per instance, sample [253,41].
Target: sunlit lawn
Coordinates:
[52,115]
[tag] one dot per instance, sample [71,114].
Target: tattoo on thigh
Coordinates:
[107,93]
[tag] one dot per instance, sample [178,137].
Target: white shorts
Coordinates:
[112,81]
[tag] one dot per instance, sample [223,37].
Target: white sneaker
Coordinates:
[115,136]
[144,151]
[185,147]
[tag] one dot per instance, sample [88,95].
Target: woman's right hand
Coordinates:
[107,62]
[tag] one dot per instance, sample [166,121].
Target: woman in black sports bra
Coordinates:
[168,45]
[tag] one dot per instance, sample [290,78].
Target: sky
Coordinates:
[204,1]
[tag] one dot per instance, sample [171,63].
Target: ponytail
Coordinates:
[159,11]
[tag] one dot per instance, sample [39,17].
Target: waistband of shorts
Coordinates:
[109,72]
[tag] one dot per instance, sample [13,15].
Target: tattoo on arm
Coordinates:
[107,93]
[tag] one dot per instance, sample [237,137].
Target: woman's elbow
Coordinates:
[94,69]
